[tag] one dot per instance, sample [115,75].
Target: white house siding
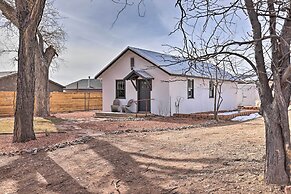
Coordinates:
[201,101]
[248,95]
[120,69]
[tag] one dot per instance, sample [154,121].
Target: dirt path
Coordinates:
[218,159]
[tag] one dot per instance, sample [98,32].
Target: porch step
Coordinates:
[120,115]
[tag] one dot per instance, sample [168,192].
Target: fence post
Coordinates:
[146,107]
[89,101]
[14,100]
[84,101]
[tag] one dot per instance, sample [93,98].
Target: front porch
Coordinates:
[142,83]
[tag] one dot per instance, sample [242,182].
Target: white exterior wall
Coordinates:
[201,101]
[121,68]
[165,93]
[248,95]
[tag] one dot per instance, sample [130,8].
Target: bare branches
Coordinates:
[259,33]
[213,26]
[50,29]
[125,4]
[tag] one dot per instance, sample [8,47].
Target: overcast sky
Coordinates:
[92,43]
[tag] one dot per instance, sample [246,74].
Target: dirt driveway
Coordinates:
[217,159]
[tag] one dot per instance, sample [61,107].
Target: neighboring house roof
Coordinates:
[4,74]
[53,82]
[7,73]
[94,84]
[175,66]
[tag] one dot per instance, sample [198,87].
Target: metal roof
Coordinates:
[181,67]
[85,84]
[176,66]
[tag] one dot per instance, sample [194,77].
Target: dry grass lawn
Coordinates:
[40,125]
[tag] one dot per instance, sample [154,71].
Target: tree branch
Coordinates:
[36,12]
[259,54]
[9,12]
[49,54]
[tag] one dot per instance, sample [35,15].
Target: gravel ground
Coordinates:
[224,158]
[42,140]
[152,123]
[76,124]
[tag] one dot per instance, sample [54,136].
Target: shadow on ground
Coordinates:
[39,173]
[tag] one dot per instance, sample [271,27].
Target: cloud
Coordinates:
[92,43]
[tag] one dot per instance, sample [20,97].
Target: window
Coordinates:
[131,63]
[190,88]
[120,89]
[211,89]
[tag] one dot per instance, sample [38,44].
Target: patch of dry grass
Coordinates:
[40,125]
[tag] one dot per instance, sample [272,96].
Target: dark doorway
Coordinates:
[144,95]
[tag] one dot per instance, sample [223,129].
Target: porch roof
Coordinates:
[134,74]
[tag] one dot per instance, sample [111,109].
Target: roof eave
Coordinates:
[194,76]
[111,63]
[82,89]
[56,83]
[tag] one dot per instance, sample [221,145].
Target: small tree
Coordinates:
[178,102]
[220,75]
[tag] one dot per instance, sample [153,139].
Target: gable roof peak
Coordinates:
[175,65]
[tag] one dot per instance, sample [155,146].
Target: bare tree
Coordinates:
[27,16]
[178,102]
[141,7]
[214,28]
[219,77]
[50,39]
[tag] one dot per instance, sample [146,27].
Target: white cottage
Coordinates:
[163,84]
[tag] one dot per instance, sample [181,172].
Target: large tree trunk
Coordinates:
[276,167]
[41,86]
[277,132]
[28,20]
[41,90]
[42,93]
[23,125]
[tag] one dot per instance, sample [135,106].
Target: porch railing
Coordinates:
[142,100]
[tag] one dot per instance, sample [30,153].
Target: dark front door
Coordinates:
[144,95]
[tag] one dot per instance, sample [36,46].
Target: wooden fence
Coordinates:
[7,103]
[59,102]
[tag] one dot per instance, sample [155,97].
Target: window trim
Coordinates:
[213,89]
[118,97]
[192,81]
